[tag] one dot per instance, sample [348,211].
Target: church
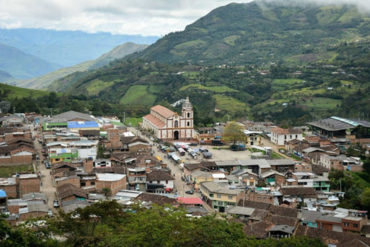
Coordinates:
[168,125]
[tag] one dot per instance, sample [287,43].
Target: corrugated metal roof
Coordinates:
[82,124]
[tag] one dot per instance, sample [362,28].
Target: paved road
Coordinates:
[46,182]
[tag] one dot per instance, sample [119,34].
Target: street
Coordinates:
[46,182]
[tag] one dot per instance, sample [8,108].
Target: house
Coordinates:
[253,138]
[86,149]
[206,135]
[273,178]
[293,194]
[159,181]
[137,178]
[16,151]
[280,136]
[280,231]
[282,165]
[190,201]
[340,162]
[9,185]
[69,192]
[99,163]
[218,195]
[168,125]
[151,198]
[114,182]
[199,177]
[242,213]
[27,183]
[135,143]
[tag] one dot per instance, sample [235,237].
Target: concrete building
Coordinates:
[280,136]
[219,196]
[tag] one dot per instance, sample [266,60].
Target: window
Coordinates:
[355,225]
[166,181]
[188,123]
[218,195]
[230,197]
[285,137]
[83,184]
[290,136]
[346,224]
[188,114]
[296,136]
[176,123]
[210,195]
[92,183]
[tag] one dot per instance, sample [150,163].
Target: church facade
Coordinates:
[169,125]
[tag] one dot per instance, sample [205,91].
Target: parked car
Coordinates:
[47,165]
[190,192]
[56,204]
[193,144]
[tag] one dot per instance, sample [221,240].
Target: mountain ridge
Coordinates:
[22,65]
[117,52]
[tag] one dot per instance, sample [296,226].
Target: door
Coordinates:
[176,135]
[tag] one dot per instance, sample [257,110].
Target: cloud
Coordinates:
[146,17]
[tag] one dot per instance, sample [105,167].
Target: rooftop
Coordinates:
[222,188]
[163,111]
[241,210]
[109,176]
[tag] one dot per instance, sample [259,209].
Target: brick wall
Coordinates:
[29,185]
[88,165]
[13,209]
[11,190]
[252,196]
[31,215]
[16,160]
[114,186]
[71,180]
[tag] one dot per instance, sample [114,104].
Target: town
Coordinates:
[276,181]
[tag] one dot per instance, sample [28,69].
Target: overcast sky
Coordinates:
[146,17]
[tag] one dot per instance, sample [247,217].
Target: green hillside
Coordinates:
[286,76]
[9,92]
[120,51]
[262,33]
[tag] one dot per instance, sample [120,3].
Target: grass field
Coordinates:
[229,104]
[138,95]
[97,85]
[322,103]
[7,171]
[17,92]
[133,122]
[215,89]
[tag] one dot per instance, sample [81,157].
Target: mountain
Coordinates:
[21,65]
[4,76]
[290,74]
[66,48]
[261,33]
[118,52]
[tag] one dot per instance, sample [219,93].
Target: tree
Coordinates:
[365,198]
[233,133]
[107,192]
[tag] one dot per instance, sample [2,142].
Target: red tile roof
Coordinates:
[282,131]
[157,122]
[189,200]
[163,111]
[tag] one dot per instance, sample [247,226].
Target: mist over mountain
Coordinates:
[66,48]
[118,52]
[21,65]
